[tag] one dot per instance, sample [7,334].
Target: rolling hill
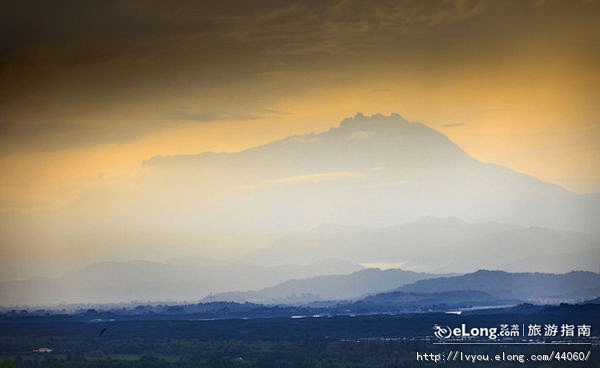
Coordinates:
[326,287]
[441,245]
[525,286]
[145,281]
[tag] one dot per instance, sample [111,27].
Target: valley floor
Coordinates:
[342,341]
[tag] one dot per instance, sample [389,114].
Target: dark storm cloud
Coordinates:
[345,27]
[72,34]
[35,22]
[98,56]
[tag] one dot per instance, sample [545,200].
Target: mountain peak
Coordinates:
[375,122]
[376,170]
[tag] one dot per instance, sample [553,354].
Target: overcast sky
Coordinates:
[90,89]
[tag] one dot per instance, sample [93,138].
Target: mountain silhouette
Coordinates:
[361,179]
[326,287]
[441,245]
[370,170]
[524,286]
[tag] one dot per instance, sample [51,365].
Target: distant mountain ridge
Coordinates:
[443,300]
[372,286]
[441,245]
[525,286]
[427,240]
[145,281]
[368,174]
[481,289]
[326,287]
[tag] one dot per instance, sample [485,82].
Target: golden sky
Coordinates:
[89,90]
